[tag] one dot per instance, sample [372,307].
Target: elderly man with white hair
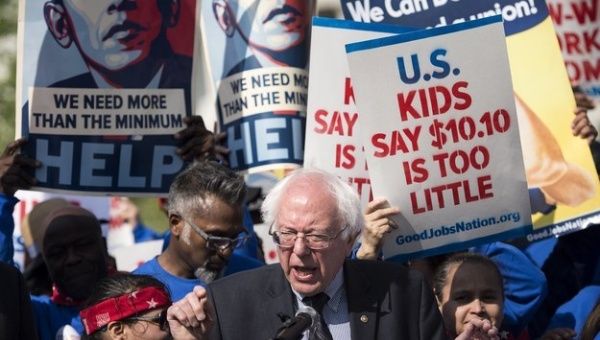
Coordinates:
[314,219]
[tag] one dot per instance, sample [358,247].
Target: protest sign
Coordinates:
[99,97]
[577,25]
[333,121]
[129,258]
[442,140]
[561,175]
[257,57]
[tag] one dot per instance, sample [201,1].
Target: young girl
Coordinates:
[469,292]
[127,306]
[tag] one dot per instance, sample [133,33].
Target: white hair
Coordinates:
[348,204]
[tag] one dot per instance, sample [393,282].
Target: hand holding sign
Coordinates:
[442,141]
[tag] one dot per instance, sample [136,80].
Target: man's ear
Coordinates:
[116,329]
[176,224]
[58,24]
[175,11]
[224,16]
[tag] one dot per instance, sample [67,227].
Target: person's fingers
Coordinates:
[384,213]
[467,333]
[195,121]
[219,149]
[376,204]
[580,120]
[380,208]
[583,101]
[194,126]
[589,133]
[13,147]
[220,137]
[24,161]
[193,147]
[585,130]
[175,315]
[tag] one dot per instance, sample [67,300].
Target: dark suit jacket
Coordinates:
[385,301]
[249,63]
[176,74]
[16,315]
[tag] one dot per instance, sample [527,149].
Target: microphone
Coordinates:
[293,328]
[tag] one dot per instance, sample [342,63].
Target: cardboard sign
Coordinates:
[561,176]
[100,103]
[442,140]
[333,121]
[257,55]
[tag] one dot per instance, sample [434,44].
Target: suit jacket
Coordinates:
[16,315]
[176,74]
[385,301]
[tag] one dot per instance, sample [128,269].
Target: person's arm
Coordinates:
[582,127]
[524,284]
[191,317]
[14,174]
[198,143]
[7,227]
[378,222]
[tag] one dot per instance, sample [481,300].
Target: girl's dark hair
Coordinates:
[441,273]
[119,284]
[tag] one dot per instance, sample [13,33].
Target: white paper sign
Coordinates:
[333,121]
[442,140]
[130,257]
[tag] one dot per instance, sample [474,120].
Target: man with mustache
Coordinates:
[122,42]
[205,220]
[274,30]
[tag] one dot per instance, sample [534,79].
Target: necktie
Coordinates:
[320,331]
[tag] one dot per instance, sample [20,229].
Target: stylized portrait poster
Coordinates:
[441,138]
[333,123]
[577,25]
[258,56]
[562,180]
[102,88]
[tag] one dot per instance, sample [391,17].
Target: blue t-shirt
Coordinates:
[50,317]
[179,286]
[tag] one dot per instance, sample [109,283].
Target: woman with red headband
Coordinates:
[127,306]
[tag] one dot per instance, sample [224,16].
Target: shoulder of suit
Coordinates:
[242,278]
[383,268]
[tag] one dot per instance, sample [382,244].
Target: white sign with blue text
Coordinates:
[333,121]
[442,140]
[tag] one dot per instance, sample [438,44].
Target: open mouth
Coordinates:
[304,273]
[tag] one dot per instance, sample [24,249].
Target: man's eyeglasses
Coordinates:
[286,239]
[218,243]
[159,319]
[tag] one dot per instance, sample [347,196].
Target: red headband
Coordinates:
[123,306]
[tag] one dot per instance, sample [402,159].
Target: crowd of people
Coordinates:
[202,287]
[331,282]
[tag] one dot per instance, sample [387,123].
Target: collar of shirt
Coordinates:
[103,84]
[335,291]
